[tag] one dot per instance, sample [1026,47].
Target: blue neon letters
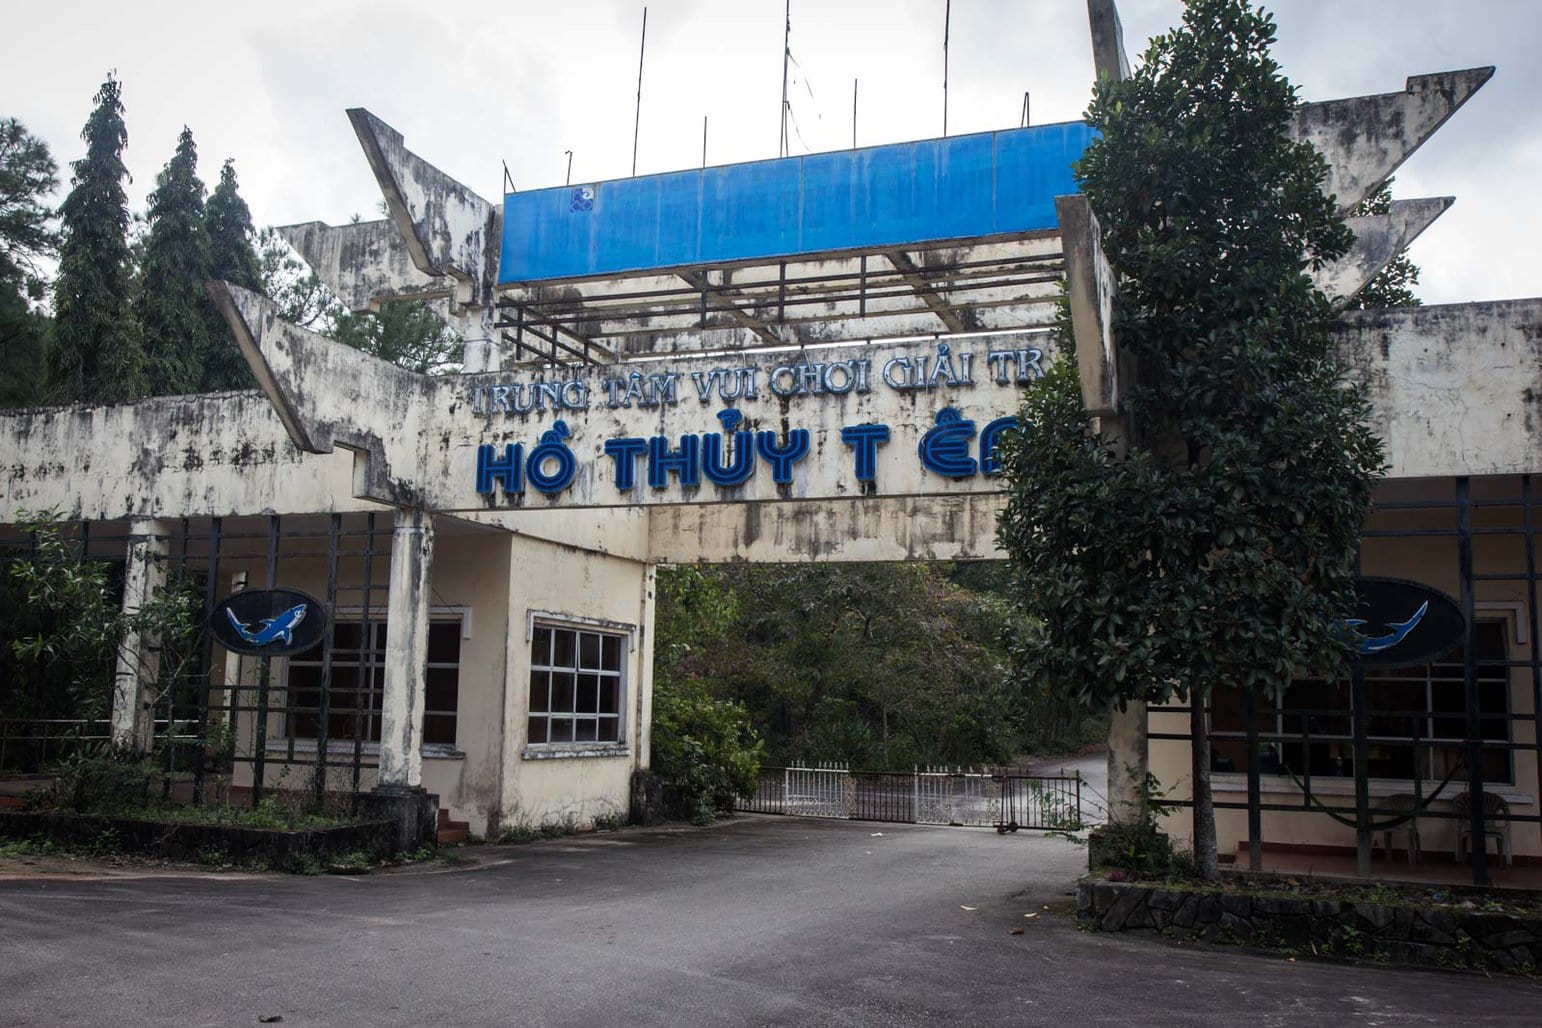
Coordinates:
[728,459]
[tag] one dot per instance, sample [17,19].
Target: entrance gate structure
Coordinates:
[791,360]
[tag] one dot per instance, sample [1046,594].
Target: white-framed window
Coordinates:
[358,681]
[577,684]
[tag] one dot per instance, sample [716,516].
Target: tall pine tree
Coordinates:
[27,175]
[233,259]
[173,304]
[94,355]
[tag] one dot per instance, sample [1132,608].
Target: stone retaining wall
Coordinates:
[1437,935]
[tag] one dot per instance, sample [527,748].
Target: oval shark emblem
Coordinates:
[1398,622]
[268,622]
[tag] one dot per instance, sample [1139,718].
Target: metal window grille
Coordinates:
[358,681]
[1438,746]
[577,686]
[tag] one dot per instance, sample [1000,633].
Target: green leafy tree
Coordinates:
[28,175]
[94,353]
[878,665]
[23,340]
[1219,550]
[232,258]
[702,745]
[406,333]
[297,291]
[1393,285]
[175,312]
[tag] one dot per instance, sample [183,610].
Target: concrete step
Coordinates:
[451,833]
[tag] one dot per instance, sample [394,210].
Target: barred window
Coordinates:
[358,681]
[577,689]
[1415,726]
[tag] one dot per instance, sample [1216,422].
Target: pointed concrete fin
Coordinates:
[1366,138]
[363,263]
[1379,239]
[1109,58]
[448,228]
[1090,285]
[326,393]
[253,320]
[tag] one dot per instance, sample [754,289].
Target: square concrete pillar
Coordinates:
[1128,761]
[139,660]
[406,670]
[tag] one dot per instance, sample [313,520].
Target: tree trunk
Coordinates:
[1204,803]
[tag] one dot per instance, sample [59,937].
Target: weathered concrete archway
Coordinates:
[791,360]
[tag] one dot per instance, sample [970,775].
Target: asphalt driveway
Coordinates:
[759,921]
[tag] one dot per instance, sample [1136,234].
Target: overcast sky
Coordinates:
[473,83]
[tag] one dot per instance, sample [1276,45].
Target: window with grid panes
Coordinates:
[577,691]
[358,681]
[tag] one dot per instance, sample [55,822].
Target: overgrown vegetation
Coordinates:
[64,631]
[521,829]
[1139,848]
[878,666]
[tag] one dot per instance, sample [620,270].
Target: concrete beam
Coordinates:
[448,229]
[1366,138]
[950,318]
[725,300]
[1090,286]
[1379,239]
[861,529]
[1108,53]
[365,263]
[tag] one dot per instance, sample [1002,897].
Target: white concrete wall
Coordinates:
[1455,387]
[556,580]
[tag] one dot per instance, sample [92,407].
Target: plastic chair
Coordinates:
[1496,823]
[1403,803]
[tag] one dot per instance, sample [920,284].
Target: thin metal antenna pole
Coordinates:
[781,146]
[508,180]
[569,181]
[853,114]
[1025,109]
[703,140]
[947,23]
[637,120]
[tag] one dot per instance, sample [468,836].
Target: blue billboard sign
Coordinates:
[989,184]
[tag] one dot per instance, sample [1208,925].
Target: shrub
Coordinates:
[100,783]
[704,748]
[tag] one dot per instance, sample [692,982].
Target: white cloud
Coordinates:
[479,82]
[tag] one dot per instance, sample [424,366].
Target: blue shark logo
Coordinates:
[1377,643]
[273,629]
